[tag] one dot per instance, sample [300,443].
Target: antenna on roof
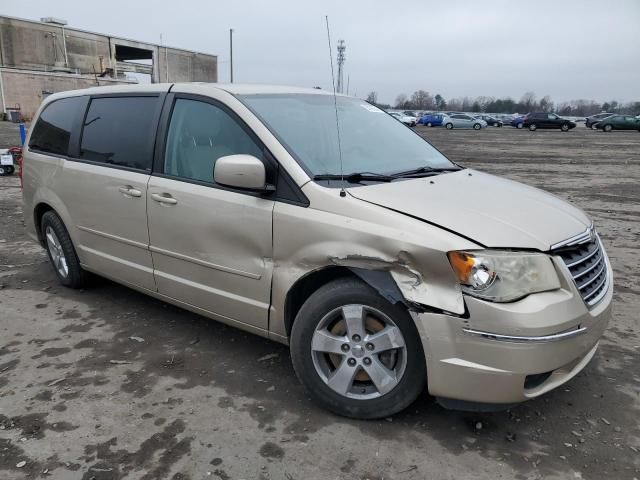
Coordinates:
[335,106]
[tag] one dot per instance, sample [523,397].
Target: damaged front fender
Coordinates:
[402,258]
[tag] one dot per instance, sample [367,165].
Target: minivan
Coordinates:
[387,268]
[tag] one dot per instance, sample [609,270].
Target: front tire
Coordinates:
[477,126]
[355,353]
[62,255]
[429,124]
[449,126]
[564,127]
[519,125]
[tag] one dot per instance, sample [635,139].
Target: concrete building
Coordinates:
[37,59]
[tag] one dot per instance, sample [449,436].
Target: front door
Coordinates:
[211,245]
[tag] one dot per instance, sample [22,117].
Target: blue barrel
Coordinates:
[23,134]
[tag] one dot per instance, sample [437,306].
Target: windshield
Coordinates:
[372,141]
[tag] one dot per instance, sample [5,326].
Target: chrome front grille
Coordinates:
[588,266]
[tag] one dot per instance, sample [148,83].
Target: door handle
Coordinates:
[129,190]
[164,198]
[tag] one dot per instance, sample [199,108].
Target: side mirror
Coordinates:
[241,171]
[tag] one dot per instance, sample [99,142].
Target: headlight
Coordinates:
[502,276]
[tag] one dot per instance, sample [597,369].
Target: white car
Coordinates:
[406,119]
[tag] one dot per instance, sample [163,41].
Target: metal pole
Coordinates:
[2,97]
[64,46]
[231,51]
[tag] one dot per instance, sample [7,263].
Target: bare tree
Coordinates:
[372,97]
[402,101]
[528,102]
[546,104]
[422,100]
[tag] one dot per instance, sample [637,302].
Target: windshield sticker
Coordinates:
[371,108]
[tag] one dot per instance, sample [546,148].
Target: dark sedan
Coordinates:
[534,121]
[593,119]
[619,122]
[491,121]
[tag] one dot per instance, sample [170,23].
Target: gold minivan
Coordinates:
[330,227]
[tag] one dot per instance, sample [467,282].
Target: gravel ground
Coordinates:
[107,383]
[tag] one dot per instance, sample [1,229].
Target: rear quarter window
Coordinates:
[52,131]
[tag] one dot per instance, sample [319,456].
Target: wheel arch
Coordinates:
[305,286]
[379,280]
[38,212]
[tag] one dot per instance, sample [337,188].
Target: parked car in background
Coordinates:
[432,119]
[462,120]
[491,121]
[593,119]
[406,119]
[618,122]
[517,122]
[536,120]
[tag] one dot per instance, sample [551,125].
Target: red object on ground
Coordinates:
[17,155]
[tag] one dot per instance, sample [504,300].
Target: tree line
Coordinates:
[529,102]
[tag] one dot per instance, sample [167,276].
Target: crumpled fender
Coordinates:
[363,237]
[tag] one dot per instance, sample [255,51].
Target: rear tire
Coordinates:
[3,171]
[429,124]
[519,125]
[607,128]
[533,127]
[316,332]
[449,126]
[60,251]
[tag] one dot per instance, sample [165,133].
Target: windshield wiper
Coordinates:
[356,177]
[424,171]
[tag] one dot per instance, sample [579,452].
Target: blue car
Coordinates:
[432,119]
[517,122]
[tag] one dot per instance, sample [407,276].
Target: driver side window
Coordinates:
[199,134]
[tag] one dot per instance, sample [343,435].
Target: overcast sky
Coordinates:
[568,49]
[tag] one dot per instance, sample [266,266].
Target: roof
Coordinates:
[255,88]
[233,88]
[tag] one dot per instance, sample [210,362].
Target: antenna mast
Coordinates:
[335,106]
[340,59]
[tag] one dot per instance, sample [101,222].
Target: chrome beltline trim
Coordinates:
[522,339]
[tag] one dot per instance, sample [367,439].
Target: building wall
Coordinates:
[35,48]
[26,89]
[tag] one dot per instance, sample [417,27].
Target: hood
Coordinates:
[492,211]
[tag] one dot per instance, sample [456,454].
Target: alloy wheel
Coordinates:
[359,352]
[57,254]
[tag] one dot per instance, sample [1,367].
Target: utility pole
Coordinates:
[231,53]
[341,58]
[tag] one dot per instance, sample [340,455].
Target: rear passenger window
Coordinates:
[120,131]
[199,134]
[52,130]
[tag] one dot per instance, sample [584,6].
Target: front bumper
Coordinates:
[512,352]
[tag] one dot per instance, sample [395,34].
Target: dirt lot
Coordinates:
[106,383]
